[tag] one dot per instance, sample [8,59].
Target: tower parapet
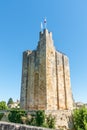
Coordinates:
[45,33]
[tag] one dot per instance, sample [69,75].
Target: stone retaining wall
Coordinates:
[14,126]
[64,120]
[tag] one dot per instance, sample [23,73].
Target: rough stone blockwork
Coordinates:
[13,126]
[46,81]
[63,118]
[45,77]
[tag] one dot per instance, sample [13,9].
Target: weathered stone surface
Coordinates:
[13,126]
[45,77]
[63,119]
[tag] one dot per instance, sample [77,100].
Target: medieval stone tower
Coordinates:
[45,77]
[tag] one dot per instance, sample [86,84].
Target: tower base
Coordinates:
[63,118]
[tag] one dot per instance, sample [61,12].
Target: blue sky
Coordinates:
[19,31]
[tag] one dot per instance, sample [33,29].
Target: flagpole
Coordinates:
[41,27]
[45,23]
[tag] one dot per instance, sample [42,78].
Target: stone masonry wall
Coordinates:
[33,88]
[60,81]
[64,93]
[24,80]
[45,77]
[50,73]
[63,119]
[13,126]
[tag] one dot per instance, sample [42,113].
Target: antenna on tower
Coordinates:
[41,26]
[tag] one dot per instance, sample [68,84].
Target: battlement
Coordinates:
[28,52]
[45,33]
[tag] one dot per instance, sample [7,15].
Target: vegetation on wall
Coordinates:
[51,121]
[15,115]
[37,119]
[40,118]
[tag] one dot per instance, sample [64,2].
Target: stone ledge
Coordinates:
[14,126]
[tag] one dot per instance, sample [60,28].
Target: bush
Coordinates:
[3,105]
[31,120]
[36,120]
[1,115]
[40,118]
[51,121]
[80,118]
[16,115]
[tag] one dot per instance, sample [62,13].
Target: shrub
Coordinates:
[80,118]
[40,118]
[1,115]
[50,121]
[16,115]
[31,120]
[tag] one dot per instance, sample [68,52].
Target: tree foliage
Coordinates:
[1,115]
[80,118]
[3,105]
[50,121]
[38,119]
[10,101]
[15,115]
[41,119]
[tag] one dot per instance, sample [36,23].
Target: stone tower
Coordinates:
[45,77]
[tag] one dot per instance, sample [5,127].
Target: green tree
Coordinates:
[10,101]
[80,118]
[3,105]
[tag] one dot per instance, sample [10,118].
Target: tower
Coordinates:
[45,77]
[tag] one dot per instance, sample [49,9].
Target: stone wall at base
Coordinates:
[63,119]
[14,126]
